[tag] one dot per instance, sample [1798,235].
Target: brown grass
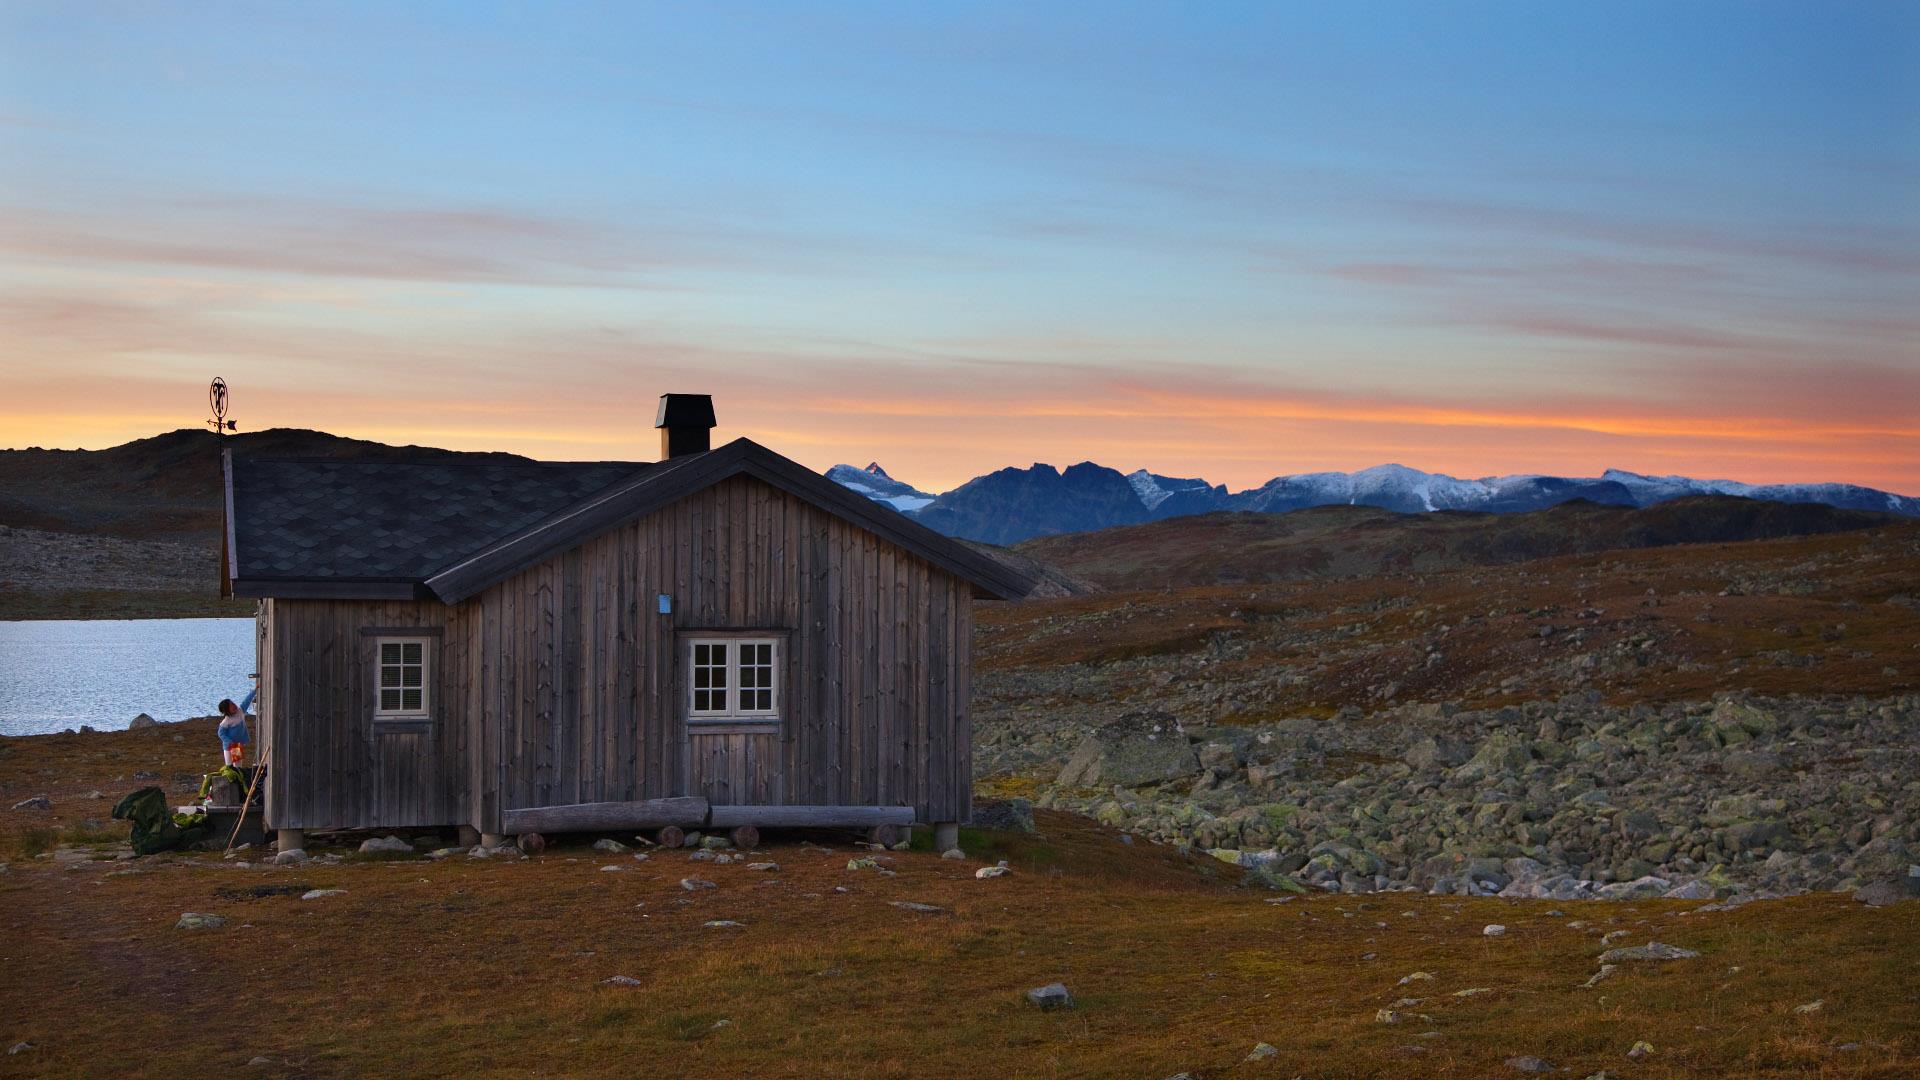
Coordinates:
[467,967]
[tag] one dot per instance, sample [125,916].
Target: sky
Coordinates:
[1221,240]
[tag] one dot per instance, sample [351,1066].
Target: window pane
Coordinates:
[389,700]
[763,700]
[410,651]
[720,677]
[390,652]
[409,699]
[389,676]
[700,678]
[410,676]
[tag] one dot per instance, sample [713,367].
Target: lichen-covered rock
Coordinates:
[1145,748]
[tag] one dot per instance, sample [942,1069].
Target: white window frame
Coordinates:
[426,676]
[731,712]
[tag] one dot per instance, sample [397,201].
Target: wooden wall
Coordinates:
[332,767]
[562,684]
[579,689]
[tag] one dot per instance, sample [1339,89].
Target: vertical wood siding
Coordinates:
[583,695]
[329,767]
[563,683]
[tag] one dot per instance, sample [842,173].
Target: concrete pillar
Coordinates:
[492,840]
[469,836]
[946,836]
[291,840]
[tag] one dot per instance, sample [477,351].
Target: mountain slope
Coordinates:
[1011,505]
[875,484]
[162,488]
[1333,542]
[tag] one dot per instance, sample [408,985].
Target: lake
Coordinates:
[58,674]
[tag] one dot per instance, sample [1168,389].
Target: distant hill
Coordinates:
[1332,542]
[163,488]
[1012,505]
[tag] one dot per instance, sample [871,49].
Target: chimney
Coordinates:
[686,424]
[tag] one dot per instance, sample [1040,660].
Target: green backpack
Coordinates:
[155,826]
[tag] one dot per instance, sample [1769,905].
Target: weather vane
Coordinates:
[217,397]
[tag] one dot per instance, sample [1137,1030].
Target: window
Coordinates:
[402,664]
[734,679]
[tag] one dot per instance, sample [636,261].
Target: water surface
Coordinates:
[57,674]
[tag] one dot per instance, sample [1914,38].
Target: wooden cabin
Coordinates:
[722,638]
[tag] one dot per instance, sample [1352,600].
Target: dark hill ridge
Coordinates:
[1332,542]
[162,488]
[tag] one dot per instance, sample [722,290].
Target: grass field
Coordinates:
[497,967]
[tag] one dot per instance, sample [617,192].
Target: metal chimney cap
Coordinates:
[685,411]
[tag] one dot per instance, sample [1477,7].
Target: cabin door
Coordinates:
[729,719]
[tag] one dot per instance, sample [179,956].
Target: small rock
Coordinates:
[860,864]
[694,884]
[702,855]
[1494,930]
[289,857]
[1387,1016]
[1529,1064]
[986,872]
[614,846]
[1641,1050]
[19,1048]
[38,802]
[1810,1007]
[764,867]
[1051,996]
[953,853]
[194,920]
[1262,1051]
[612,869]
[620,980]
[1418,976]
[1473,991]
[385,844]
[924,909]
[639,856]
[260,1061]
[1606,972]
[714,843]
[721,924]
[96,794]
[321,894]
[1652,950]
[141,721]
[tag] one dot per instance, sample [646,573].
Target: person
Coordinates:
[233,727]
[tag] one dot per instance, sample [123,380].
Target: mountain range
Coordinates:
[1013,505]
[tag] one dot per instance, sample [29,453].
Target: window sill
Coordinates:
[732,725]
[397,724]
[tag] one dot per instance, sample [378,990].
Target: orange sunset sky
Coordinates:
[1228,241]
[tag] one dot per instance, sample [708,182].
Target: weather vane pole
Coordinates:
[217,397]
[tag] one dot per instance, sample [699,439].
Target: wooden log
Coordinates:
[887,835]
[744,837]
[672,836]
[607,816]
[802,817]
[532,843]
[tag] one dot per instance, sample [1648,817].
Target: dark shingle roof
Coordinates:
[395,521]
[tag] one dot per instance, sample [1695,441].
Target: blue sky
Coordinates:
[1221,240]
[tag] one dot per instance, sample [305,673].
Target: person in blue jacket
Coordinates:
[233,727]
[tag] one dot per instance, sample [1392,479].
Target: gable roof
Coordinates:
[401,529]
[672,480]
[375,529]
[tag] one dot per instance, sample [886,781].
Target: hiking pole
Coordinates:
[252,785]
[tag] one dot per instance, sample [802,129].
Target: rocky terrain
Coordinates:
[1707,720]
[1558,800]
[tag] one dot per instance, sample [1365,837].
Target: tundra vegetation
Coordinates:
[1272,836]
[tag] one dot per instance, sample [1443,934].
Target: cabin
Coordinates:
[721,639]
